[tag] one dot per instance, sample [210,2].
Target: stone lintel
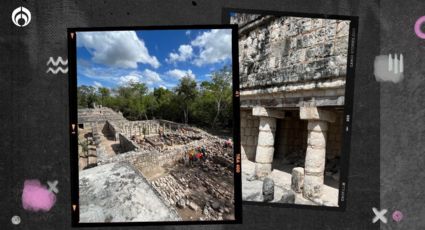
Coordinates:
[263,112]
[314,113]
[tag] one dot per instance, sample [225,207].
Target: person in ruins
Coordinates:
[228,143]
[204,152]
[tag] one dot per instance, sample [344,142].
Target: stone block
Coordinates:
[288,197]
[297,179]
[343,28]
[263,112]
[317,140]
[330,92]
[264,154]
[313,187]
[267,124]
[268,189]
[250,139]
[243,123]
[266,138]
[317,126]
[262,170]
[315,160]
[314,113]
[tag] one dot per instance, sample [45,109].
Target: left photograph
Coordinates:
[152,125]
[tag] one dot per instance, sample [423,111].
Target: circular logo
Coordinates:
[397,216]
[21,16]
[16,220]
[418,25]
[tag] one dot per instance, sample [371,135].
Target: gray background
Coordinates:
[402,117]
[34,140]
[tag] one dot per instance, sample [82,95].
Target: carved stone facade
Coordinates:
[292,88]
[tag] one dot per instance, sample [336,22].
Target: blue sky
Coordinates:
[158,58]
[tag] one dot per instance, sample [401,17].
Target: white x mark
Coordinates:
[52,186]
[379,215]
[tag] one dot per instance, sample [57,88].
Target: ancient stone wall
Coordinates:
[126,144]
[301,58]
[111,128]
[291,136]
[99,114]
[152,159]
[148,127]
[249,134]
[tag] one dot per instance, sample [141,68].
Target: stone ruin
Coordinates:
[155,150]
[292,93]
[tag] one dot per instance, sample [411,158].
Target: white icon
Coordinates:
[16,220]
[52,186]
[379,215]
[388,68]
[395,65]
[56,63]
[21,16]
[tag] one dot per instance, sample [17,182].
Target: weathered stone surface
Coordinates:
[288,197]
[267,124]
[314,113]
[318,126]
[313,186]
[297,179]
[315,160]
[316,140]
[104,193]
[264,154]
[262,169]
[215,205]
[181,203]
[193,206]
[261,111]
[268,189]
[266,138]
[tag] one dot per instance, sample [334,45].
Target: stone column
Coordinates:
[266,137]
[265,147]
[316,150]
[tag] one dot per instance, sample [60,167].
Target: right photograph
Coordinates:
[296,85]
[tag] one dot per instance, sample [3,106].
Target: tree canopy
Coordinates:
[208,103]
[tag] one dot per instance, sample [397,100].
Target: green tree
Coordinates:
[87,96]
[165,109]
[219,88]
[104,95]
[186,93]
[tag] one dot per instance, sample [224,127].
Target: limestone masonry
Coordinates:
[292,88]
[140,171]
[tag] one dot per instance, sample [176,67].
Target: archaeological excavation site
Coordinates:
[151,170]
[292,96]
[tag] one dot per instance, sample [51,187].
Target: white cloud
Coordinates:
[185,52]
[150,77]
[187,32]
[129,79]
[147,76]
[116,48]
[215,46]
[178,73]
[97,84]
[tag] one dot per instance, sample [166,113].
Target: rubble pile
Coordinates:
[189,170]
[175,191]
[203,190]
[178,139]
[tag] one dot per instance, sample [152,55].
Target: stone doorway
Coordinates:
[291,142]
